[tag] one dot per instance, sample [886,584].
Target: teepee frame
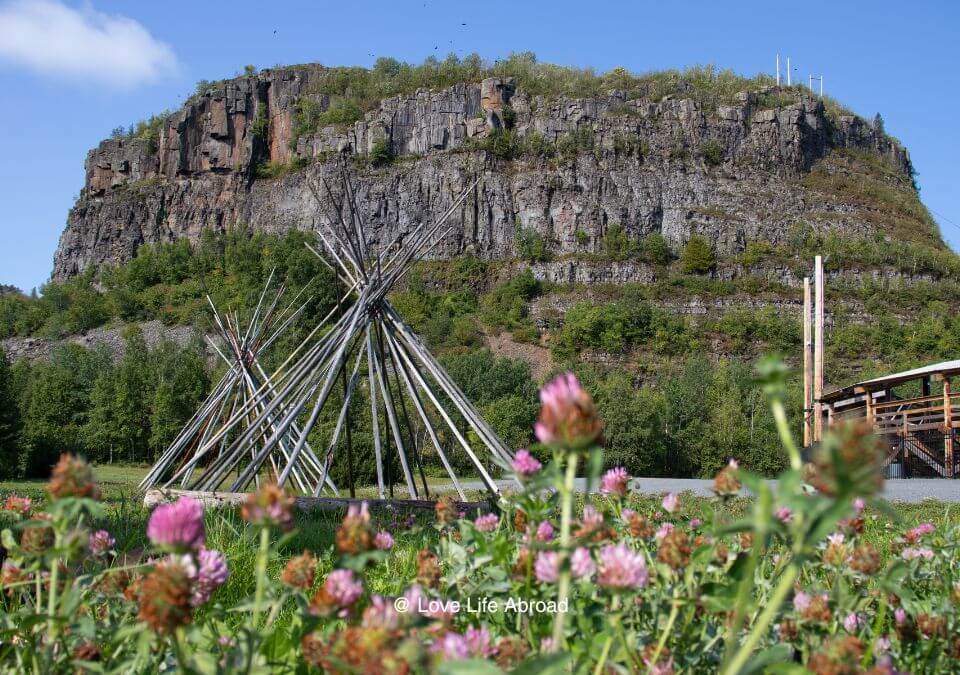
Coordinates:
[370,341]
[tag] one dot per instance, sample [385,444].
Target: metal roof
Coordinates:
[942,368]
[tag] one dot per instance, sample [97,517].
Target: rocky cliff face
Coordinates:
[732,174]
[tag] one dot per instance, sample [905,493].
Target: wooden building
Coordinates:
[920,429]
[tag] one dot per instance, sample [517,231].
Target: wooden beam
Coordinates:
[818,349]
[947,428]
[870,412]
[807,365]
[214,499]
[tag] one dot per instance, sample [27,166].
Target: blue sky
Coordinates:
[70,72]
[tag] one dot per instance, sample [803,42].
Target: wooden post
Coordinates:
[830,416]
[947,428]
[807,365]
[818,349]
[870,411]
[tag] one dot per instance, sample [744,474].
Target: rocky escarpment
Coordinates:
[733,173]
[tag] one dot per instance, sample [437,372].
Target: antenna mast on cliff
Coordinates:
[778,69]
[810,82]
[363,344]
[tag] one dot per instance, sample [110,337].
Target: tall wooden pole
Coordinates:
[807,365]
[947,428]
[818,349]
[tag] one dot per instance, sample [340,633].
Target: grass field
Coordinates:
[127,519]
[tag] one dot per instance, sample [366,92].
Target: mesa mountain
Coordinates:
[735,161]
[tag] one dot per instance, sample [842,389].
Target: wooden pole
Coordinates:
[807,365]
[947,428]
[870,411]
[818,349]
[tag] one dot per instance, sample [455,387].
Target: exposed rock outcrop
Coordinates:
[670,166]
[34,348]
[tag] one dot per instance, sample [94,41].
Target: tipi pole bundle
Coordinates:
[238,398]
[267,425]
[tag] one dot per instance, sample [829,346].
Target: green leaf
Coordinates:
[469,667]
[543,665]
[774,655]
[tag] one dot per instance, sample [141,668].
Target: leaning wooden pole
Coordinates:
[807,365]
[818,349]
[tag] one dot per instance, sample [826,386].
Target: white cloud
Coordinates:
[55,39]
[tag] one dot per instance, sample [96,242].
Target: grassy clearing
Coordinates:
[413,530]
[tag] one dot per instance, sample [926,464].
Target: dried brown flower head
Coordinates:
[355,534]
[11,574]
[839,656]
[725,483]
[851,459]
[72,477]
[523,566]
[113,582]
[133,589]
[865,559]
[511,650]
[446,510]
[36,539]
[165,597]
[300,571]
[835,554]
[353,649]
[640,527]
[819,608]
[788,630]
[270,506]
[931,625]
[86,651]
[675,549]
[519,520]
[428,568]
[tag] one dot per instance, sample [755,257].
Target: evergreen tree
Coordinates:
[181,384]
[133,391]
[57,405]
[9,418]
[697,256]
[101,434]
[878,124]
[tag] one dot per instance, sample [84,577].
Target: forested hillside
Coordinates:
[650,232]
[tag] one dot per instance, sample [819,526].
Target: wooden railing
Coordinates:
[915,414]
[907,424]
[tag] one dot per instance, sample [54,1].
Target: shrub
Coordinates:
[655,249]
[610,328]
[506,305]
[712,152]
[381,153]
[617,245]
[501,143]
[530,245]
[697,256]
